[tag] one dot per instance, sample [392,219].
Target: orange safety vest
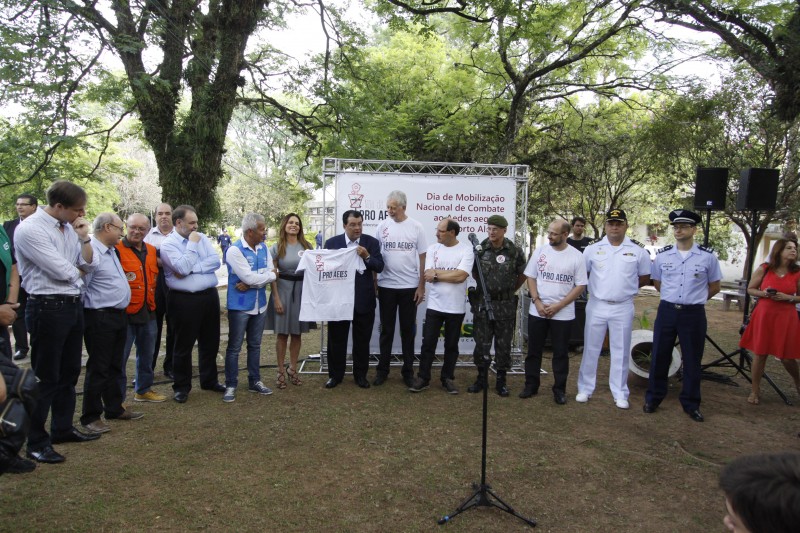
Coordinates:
[137,276]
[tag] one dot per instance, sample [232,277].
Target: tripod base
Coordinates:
[485,497]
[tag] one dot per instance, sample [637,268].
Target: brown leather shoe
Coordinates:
[97,427]
[127,414]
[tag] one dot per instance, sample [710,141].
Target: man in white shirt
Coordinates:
[617,267]
[401,285]
[156,236]
[447,267]
[249,273]
[54,252]
[556,277]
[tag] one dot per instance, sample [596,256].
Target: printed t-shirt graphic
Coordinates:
[329,284]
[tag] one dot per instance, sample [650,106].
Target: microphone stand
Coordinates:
[483,495]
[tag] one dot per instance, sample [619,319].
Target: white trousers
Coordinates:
[617,318]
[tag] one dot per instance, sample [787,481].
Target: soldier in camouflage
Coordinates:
[503,264]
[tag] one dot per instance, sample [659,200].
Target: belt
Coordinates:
[683,306]
[189,292]
[614,302]
[61,298]
[113,310]
[291,277]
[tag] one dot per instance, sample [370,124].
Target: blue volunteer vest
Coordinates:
[245,301]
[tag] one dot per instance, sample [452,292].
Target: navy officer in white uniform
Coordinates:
[617,267]
[687,275]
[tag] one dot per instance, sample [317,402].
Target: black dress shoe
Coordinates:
[217,387]
[331,383]
[502,390]
[169,375]
[46,455]
[649,408]
[528,391]
[559,397]
[74,436]
[695,415]
[181,397]
[380,379]
[362,382]
[20,355]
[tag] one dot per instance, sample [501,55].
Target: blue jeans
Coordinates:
[240,323]
[144,336]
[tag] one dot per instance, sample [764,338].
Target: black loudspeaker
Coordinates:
[710,188]
[758,189]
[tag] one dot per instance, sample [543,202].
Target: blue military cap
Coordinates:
[684,216]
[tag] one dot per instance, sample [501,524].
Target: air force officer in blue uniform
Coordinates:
[687,275]
[369,250]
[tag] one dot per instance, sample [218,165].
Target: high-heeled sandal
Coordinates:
[281,380]
[294,377]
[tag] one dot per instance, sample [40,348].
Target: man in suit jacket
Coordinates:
[364,307]
[26,205]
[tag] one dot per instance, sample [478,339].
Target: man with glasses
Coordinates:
[556,277]
[26,206]
[687,275]
[139,262]
[106,329]
[54,252]
[617,267]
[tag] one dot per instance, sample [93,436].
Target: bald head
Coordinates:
[138,225]
[164,218]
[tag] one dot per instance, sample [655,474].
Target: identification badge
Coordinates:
[130,276]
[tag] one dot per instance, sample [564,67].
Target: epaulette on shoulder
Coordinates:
[637,243]
[706,249]
[664,249]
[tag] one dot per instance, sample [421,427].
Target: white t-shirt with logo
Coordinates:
[329,284]
[443,296]
[556,273]
[401,245]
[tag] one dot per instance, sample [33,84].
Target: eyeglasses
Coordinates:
[115,226]
[137,228]
[22,205]
[554,234]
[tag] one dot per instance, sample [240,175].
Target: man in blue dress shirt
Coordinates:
[190,263]
[106,329]
[687,275]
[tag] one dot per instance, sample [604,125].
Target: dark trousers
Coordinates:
[689,326]
[195,318]
[484,332]
[431,330]
[338,332]
[559,335]
[56,329]
[161,314]
[104,335]
[5,344]
[394,304]
[18,327]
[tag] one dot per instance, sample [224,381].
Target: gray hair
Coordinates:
[250,221]
[101,220]
[399,197]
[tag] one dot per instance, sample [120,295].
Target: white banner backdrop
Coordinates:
[470,200]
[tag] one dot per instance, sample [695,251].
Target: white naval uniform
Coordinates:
[613,283]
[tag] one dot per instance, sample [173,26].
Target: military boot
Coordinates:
[480,383]
[500,384]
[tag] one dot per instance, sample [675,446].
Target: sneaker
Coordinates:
[622,404]
[127,414]
[582,397]
[230,395]
[450,386]
[149,396]
[98,426]
[419,385]
[258,387]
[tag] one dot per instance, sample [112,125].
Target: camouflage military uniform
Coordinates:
[501,268]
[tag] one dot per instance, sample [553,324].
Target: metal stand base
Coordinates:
[484,496]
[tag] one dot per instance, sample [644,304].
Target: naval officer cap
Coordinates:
[684,216]
[616,214]
[497,220]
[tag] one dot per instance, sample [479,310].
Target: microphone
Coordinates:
[474,240]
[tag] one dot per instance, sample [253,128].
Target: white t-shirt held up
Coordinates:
[329,284]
